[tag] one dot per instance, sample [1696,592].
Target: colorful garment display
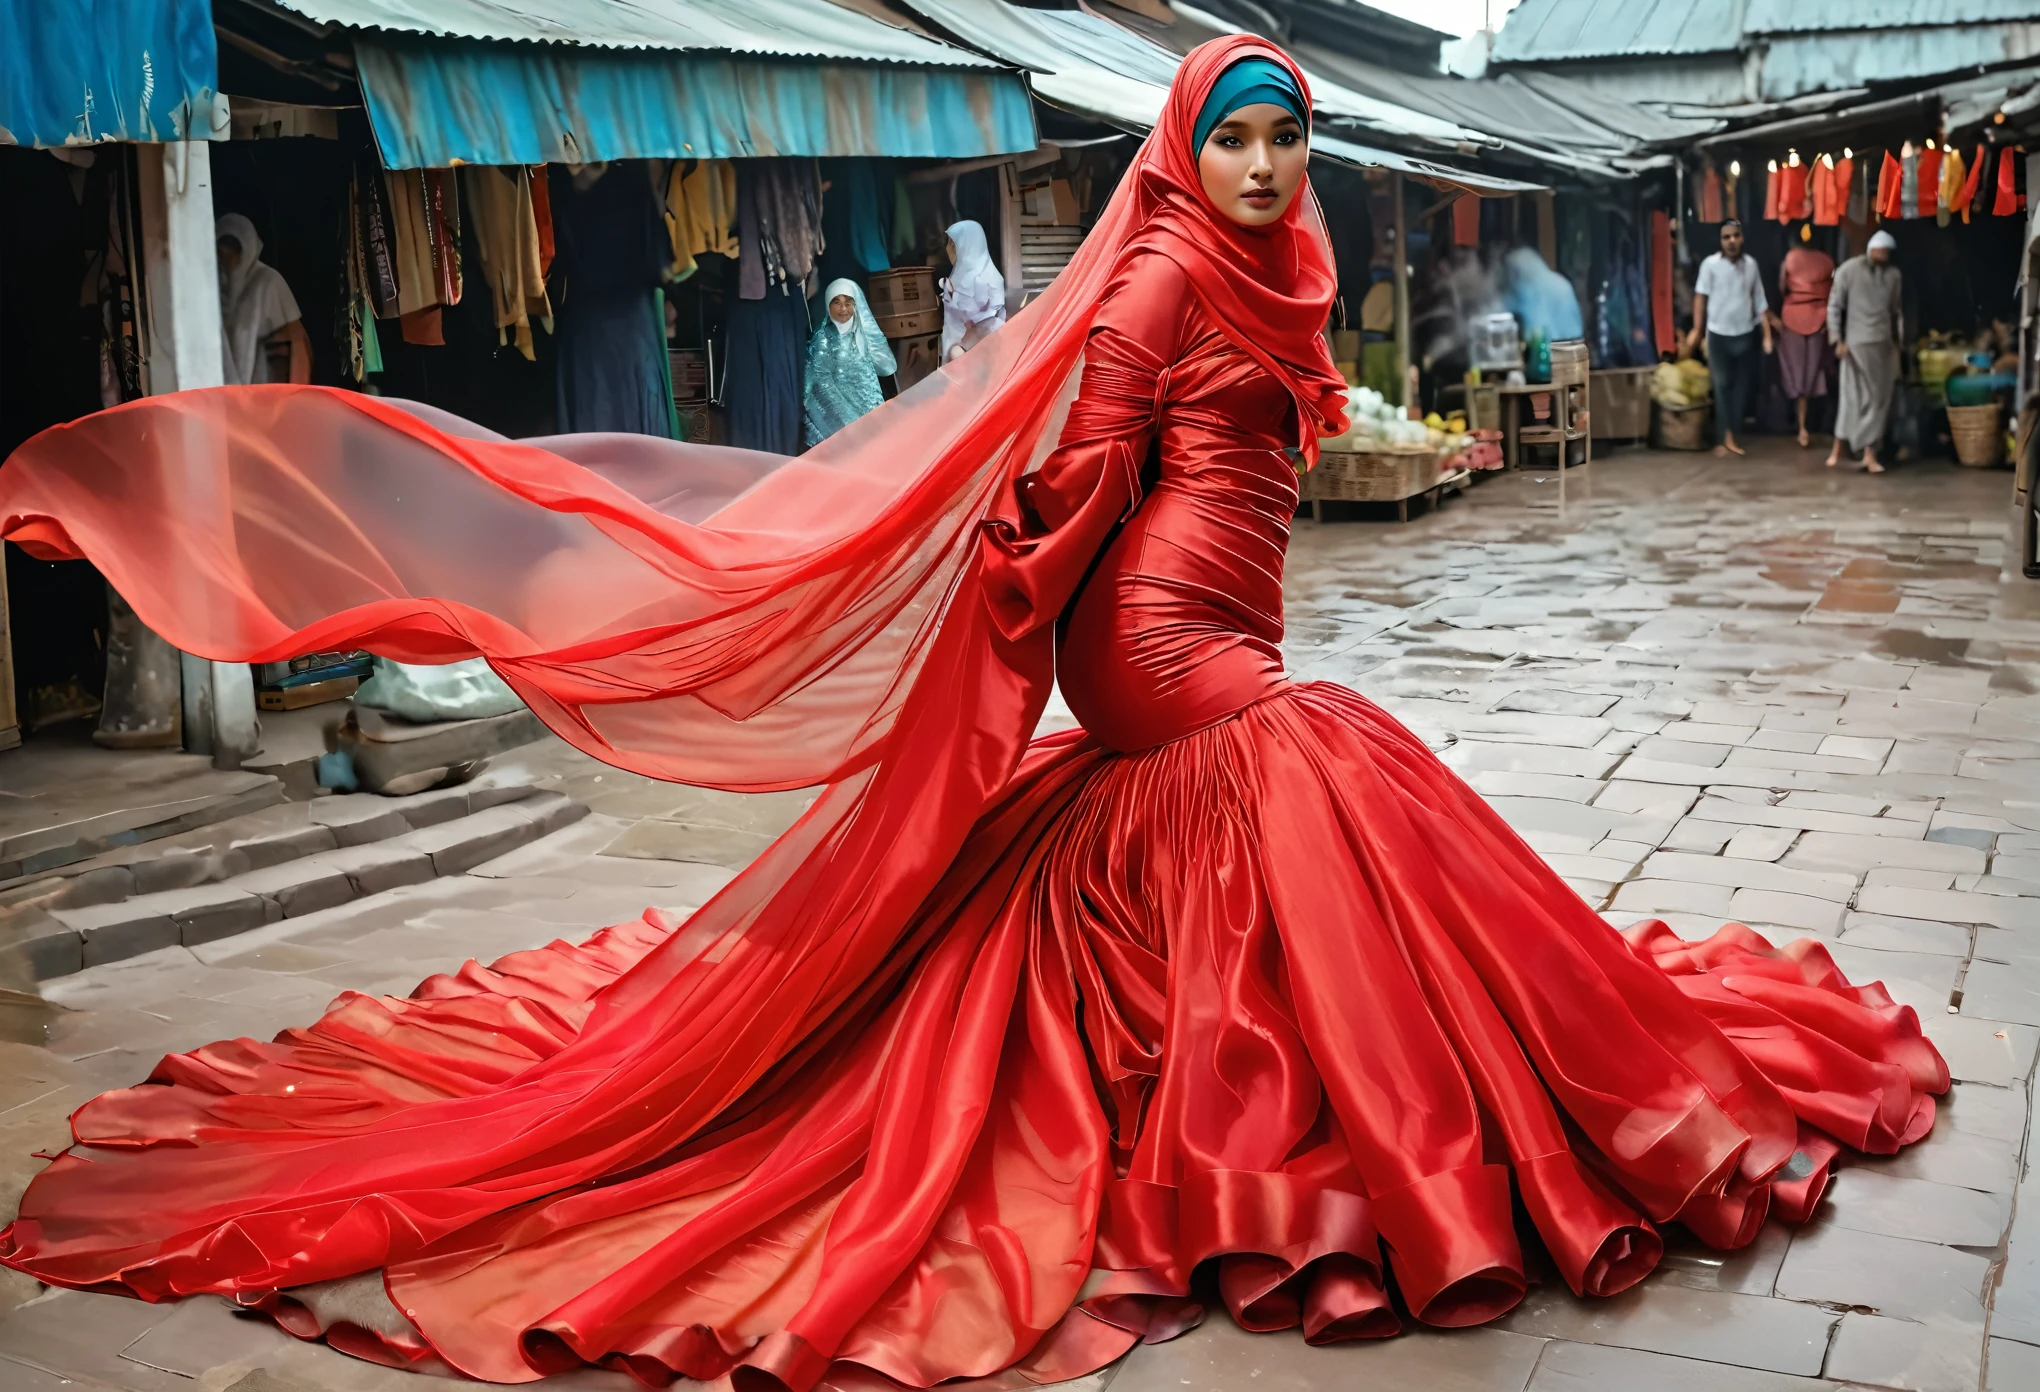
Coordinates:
[506,235]
[425,218]
[971,1071]
[1829,192]
[779,225]
[701,211]
[1890,187]
[1466,221]
[845,359]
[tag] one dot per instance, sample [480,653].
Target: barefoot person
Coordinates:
[1730,305]
[1804,282]
[1866,321]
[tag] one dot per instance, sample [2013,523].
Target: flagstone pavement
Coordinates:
[1713,690]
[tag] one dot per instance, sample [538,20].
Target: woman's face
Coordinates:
[1252,163]
[842,309]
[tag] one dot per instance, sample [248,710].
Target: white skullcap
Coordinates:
[1881,240]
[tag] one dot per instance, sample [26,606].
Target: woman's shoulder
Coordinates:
[1147,271]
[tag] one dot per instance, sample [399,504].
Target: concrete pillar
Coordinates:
[182,314]
[1402,289]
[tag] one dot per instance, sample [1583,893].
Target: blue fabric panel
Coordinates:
[77,71]
[442,102]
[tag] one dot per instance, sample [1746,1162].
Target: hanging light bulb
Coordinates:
[1848,153]
[1774,166]
[1828,160]
[1998,119]
[1930,144]
[1792,158]
[1735,169]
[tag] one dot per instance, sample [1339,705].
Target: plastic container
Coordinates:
[1496,344]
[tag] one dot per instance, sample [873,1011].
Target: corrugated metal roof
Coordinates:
[1554,30]
[765,28]
[77,73]
[1797,64]
[1826,16]
[440,102]
[1085,64]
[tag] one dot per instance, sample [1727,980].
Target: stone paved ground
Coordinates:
[1759,691]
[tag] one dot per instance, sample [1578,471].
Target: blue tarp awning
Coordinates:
[440,102]
[81,71]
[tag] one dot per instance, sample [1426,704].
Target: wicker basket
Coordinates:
[1979,434]
[1371,476]
[1681,428]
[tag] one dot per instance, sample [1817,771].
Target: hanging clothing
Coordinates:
[1713,205]
[1965,201]
[1909,185]
[1661,313]
[610,236]
[255,305]
[1866,312]
[1890,187]
[867,230]
[765,341]
[1852,176]
[1792,192]
[377,237]
[1830,192]
[541,216]
[2010,198]
[779,225]
[1774,180]
[844,362]
[427,257]
[973,295]
[701,211]
[1466,221]
[1928,178]
[506,234]
[1954,174]
[1239,977]
[906,237]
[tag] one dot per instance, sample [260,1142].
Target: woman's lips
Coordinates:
[1260,196]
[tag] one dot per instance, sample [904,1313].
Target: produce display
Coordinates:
[1682,384]
[1378,426]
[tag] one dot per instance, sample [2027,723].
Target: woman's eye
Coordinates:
[1287,138]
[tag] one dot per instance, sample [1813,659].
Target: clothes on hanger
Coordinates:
[1927,199]
[541,216]
[867,228]
[1466,220]
[701,210]
[1661,314]
[1890,187]
[1829,193]
[779,225]
[1773,181]
[506,233]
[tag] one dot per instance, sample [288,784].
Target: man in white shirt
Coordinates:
[1730,305]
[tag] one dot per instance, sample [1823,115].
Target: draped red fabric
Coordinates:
[971,1072]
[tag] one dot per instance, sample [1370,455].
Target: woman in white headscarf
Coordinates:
[974,296]
[845,359]
[256,308]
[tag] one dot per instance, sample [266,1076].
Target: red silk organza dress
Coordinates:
[1008,1054]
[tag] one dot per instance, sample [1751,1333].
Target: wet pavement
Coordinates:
[1712,690]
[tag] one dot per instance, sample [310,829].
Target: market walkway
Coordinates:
[1754,690]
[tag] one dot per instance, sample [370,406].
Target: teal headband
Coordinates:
[1247,83]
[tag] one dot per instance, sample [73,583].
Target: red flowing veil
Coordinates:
[868,617]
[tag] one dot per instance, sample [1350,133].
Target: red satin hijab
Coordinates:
[1269,288]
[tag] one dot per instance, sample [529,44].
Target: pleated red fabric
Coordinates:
[1006,1056]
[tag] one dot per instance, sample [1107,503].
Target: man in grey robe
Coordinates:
[1866,324]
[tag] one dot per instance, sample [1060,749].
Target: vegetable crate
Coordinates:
[1370,476]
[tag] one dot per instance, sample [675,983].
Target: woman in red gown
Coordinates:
[1007,1055]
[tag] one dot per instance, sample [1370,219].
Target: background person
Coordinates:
[845,358]
[256,309]
[1866,321]
[1804,283]
[974,295]
[1730,306]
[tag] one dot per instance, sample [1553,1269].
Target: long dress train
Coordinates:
[974,1071]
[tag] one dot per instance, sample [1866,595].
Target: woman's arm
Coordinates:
[1042,539]
[300,343]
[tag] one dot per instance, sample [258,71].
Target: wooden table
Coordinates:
[1569,422]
